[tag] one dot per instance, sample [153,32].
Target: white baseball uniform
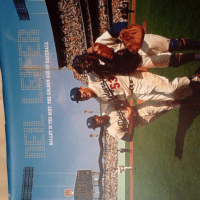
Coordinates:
[148,112]
[146,86]
[154,51]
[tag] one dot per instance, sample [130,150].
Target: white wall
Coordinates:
[121,177]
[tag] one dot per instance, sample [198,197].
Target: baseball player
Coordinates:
[139,85]
[122,150]
[122,168]
[150,51]
[119,118]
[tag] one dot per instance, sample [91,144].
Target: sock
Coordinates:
[181,44]
[182,58]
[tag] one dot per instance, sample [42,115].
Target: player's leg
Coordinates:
[158,43]
[156,51]
[161,60]
[154,44]
[180,87]
[150,111]
[181,44]
[179,59]
[149,86]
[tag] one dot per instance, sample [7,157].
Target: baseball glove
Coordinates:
[132,37]
[101,50]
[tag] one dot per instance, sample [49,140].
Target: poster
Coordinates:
[48,141]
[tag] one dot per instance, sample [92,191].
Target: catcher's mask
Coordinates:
[84,63]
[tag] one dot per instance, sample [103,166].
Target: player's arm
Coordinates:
[131,117]
[101,51]
[110,37]
[125,105]
[132,113]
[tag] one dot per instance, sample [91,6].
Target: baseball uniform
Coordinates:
[154,51]
[146,86]
[147,113]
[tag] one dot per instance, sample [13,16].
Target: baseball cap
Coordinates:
[74,94]
[91,123]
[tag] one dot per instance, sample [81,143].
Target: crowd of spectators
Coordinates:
[88,24]
[118,16]
[73,32]
[72,27]
[111,168]
[117,7]
[103,16]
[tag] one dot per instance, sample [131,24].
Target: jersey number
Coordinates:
[114,83]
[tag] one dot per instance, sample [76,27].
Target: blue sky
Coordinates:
[73,149]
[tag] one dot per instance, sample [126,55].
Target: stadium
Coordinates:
[158,151]
[165,153]
[148,141]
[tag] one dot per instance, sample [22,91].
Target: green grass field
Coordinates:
[159,173]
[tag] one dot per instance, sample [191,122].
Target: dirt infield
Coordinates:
[133,19]
[131,145]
